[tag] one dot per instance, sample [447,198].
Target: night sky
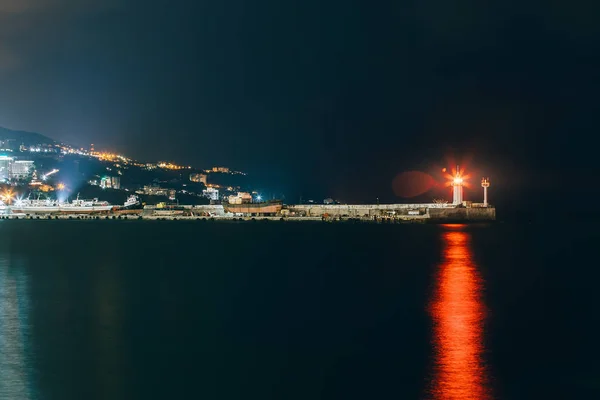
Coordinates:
[319,98]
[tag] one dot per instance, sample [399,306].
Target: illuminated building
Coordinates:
[211,193]
[109,182]
[172,193]
[168,165]
[198,178]
[21,169]
[154,190]
[5,166]
[105,182]
[116,182]
[224,170]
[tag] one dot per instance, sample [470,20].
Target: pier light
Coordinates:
[457,183]
[485,184]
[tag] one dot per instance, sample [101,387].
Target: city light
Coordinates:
[168,165]
[258,197]
[60,186]
[458,180]
[7,196]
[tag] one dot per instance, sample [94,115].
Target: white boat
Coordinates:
[48,206]
[84,206]
[132,202]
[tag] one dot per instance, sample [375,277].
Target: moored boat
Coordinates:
[49,206]
[243,204]
[132,203]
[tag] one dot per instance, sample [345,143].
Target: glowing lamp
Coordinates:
[458,180]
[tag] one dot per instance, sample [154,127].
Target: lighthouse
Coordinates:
[457,184]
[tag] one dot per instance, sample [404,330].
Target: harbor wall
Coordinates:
[212,209]
[463,214]
[439,213]
[433,212]
[384,212]
[362,210]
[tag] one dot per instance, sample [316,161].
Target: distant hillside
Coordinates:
[26,138]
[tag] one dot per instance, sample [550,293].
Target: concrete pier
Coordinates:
[415,213]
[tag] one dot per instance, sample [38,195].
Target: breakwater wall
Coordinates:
[436,213]
[203,210]
[430,212]
[462,214]
[363,210]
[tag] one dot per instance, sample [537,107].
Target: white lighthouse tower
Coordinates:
[485,183]
[457,184]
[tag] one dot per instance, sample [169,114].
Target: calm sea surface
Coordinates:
[270,310]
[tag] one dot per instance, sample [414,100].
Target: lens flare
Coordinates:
[457,176]
[412,184]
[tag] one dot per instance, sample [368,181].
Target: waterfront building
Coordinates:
[5,167]
[198,178]
[211,193]
[21,169]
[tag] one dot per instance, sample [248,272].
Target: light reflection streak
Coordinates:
[458,316]
[110,357]
[15,376]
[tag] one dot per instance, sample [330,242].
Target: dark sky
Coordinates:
[326,97]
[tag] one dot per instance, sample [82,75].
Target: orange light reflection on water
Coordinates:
[458,315]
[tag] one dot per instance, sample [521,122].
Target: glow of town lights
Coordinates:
[259,197]
[458,180]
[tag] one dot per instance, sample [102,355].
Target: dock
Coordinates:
[385,213]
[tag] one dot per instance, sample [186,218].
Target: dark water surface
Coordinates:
[154,310]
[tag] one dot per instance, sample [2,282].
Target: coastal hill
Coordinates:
[24,137]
